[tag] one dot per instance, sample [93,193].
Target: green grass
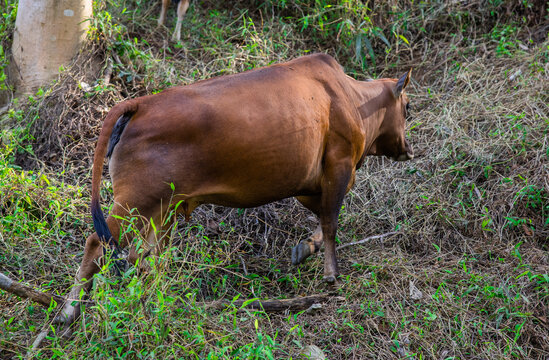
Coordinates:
[8,12]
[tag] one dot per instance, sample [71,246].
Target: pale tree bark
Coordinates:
[48,34]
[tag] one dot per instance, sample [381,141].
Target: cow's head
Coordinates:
[391,140]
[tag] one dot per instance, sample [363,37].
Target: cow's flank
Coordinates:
[297,129]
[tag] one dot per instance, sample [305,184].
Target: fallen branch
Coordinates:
[37,342]
[4,110]
[108,73]
[293,304]
[366,240]
[25,291]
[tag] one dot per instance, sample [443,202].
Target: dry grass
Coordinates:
[466,277]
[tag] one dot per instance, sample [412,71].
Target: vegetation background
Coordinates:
[465,277]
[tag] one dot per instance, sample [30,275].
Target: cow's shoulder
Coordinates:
[316,62]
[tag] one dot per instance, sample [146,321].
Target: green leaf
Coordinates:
[358,48]
[249,301]
[379,33]
[368,45]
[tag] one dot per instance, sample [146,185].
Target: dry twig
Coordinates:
[293,304]
[367,239]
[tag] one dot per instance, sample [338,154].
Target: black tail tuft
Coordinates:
[101,227]
[104,234]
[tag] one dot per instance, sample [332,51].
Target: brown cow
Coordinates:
[298,129]
[182,6]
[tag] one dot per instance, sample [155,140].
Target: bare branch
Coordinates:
[293,304]
[367,239]
[25,291]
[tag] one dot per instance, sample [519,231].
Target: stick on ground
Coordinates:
[293,304]
[25,291]
[367,239]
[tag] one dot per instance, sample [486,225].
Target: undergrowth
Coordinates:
[465,277]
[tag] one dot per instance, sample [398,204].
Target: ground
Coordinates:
[466,276]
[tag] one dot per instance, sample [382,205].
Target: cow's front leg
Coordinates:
[329,228]
[335,184]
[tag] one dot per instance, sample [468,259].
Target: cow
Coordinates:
[296,129]
[182,6]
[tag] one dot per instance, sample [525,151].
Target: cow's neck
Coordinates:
[374,100]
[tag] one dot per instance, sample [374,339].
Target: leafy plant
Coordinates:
[7,25]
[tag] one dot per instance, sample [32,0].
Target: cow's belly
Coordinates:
[248,177]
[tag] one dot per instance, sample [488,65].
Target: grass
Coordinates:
[466,277]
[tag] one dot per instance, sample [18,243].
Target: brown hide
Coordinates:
[241,140]
[299,129]
[249,139]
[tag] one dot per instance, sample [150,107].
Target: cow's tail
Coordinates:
[126,108]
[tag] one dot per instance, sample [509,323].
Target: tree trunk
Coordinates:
[47,35]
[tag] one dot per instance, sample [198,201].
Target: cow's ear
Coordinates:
[402,83]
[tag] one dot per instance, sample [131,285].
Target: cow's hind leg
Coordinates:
[93,259]
[181,10]
[162,17]
[307,247]
[154,236]
[90,266]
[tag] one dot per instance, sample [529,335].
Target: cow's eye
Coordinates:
[407,106]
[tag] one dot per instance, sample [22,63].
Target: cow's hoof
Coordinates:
[68,315]
[300,252]
[60,319]
[64,318]
[67,332]
[119,263]
[330,279]
[119,267]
